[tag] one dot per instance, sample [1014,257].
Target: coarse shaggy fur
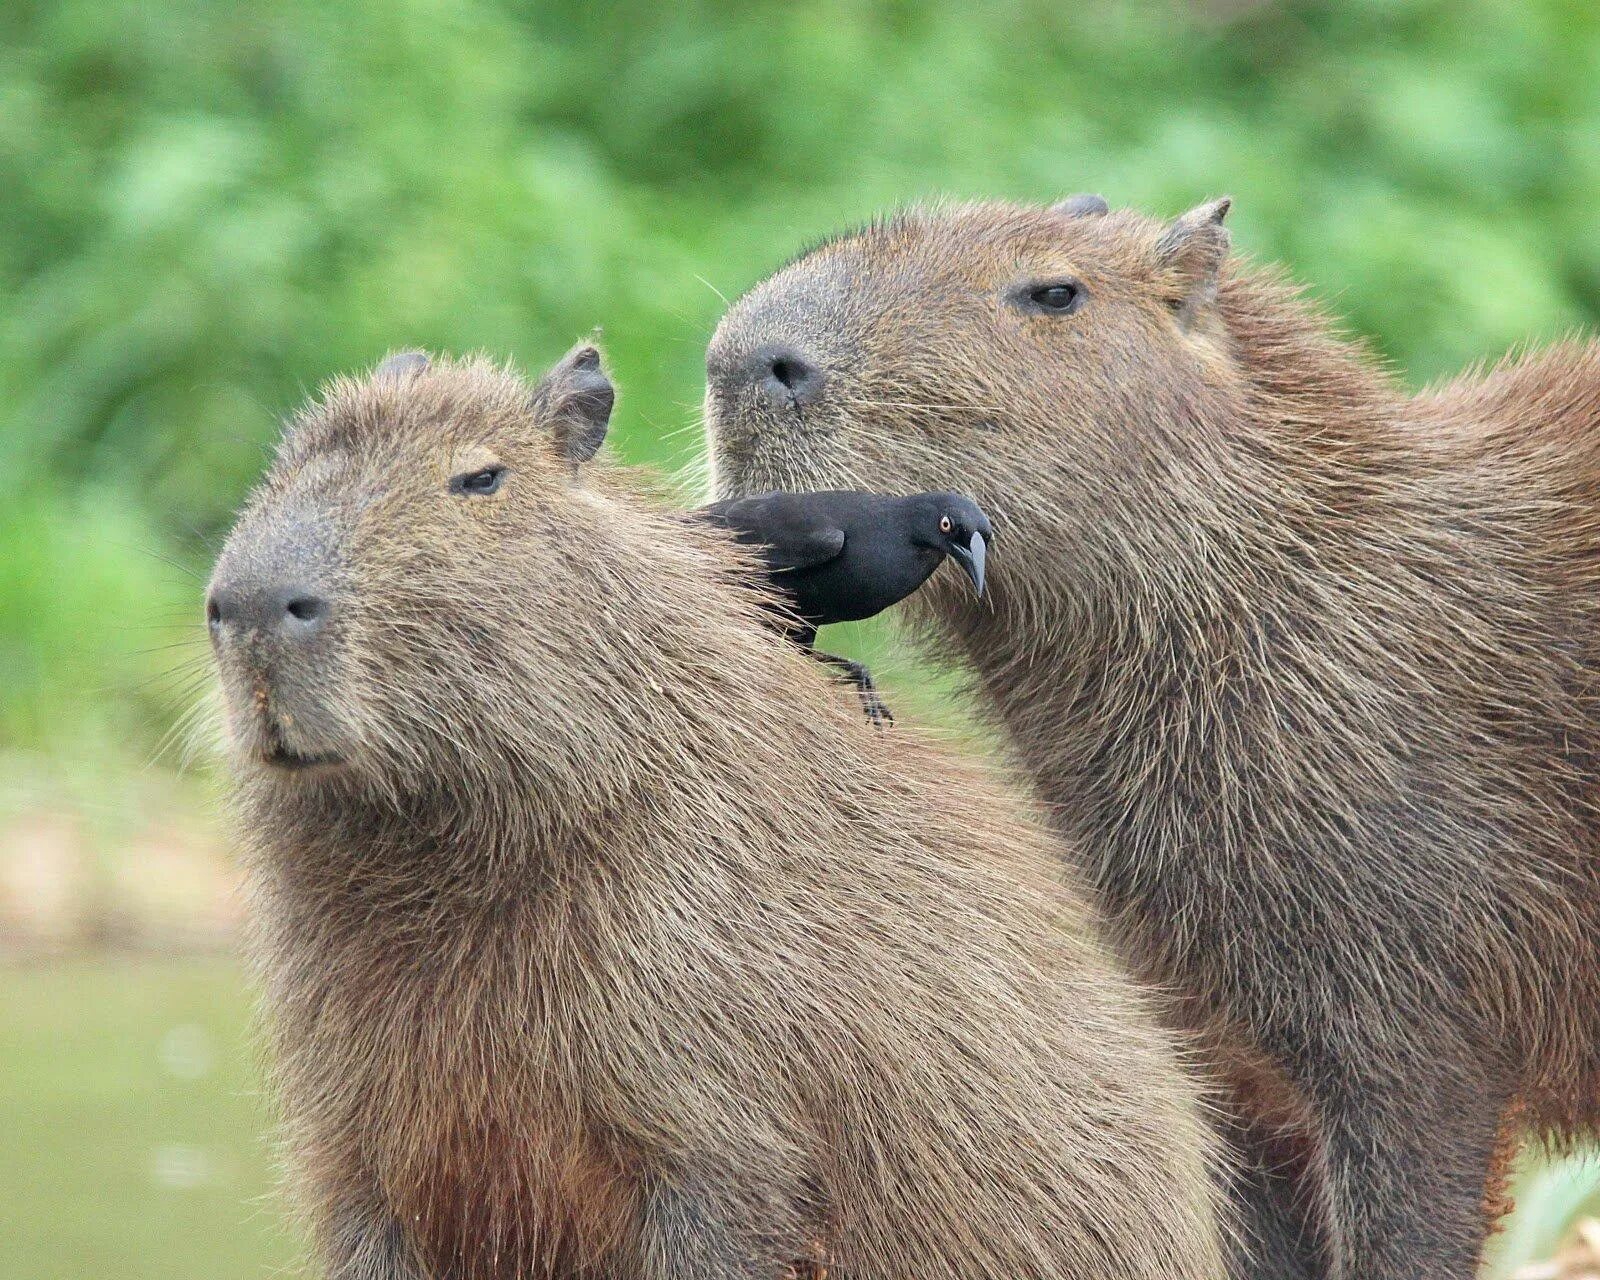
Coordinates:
[616,944]
[1303,664]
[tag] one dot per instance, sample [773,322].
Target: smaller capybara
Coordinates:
[1307,667]
[602,937]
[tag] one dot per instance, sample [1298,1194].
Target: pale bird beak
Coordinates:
[971,558]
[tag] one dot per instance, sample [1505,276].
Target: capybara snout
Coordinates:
[272,610]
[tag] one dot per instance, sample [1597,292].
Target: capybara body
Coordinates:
[1306,666]
[601,937]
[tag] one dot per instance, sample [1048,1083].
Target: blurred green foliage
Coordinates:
[135,1128]
[206,208]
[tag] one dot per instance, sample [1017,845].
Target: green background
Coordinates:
[207,208]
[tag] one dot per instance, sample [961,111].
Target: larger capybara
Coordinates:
[1305,664]
[602,938]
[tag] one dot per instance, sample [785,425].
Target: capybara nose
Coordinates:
[292,612]
[785,376]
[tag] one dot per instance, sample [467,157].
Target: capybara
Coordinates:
[602,937]
[1303,664]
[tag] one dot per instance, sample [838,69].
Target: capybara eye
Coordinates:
[478,484]
[944,524]
[1060,298]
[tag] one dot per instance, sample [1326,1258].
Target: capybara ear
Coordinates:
[574,402]
[1082,206]
[402,364]
[1193,249]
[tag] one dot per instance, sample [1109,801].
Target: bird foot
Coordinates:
[877,710]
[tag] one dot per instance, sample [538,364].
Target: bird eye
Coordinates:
[945,524]
[1059,297]
[479,483]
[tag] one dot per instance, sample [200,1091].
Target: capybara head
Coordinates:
[980,347]
[393,603]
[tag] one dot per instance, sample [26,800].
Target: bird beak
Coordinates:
[972,557]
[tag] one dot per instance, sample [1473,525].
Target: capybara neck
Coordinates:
[680,727]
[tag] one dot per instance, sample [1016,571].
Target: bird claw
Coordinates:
[872,702]
[876,708]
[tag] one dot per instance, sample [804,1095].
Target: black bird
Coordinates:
[840,556]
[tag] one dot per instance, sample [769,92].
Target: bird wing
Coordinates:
[790,535]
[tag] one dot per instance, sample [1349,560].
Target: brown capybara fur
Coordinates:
[1305,665]
[603,938]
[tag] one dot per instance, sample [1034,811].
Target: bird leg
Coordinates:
[871,701]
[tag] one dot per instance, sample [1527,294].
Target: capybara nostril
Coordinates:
[293,613]
[788,372]
[786,377]
[307,610]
